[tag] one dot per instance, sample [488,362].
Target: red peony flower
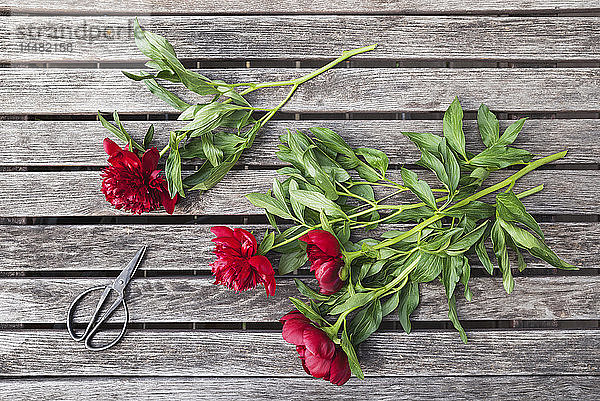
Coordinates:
[319,355]
[238,267]
[133,184]
[325,259]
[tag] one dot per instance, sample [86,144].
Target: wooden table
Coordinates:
[191,339]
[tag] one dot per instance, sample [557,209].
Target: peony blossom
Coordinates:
[135,184]
[325,259]
[238,267]
[320,357]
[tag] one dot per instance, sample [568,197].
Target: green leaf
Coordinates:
[332,140]
[173,167]
[510,208]
[297,207]
[390,304]
[430,161]
[465,242]
[489,127]
[510,134]
[292,261]
[451,274]
[534,245]
[464,278]
[267,243]
[366,321]
[367,173]
[317,201]
[419,187]
[499,241]
[272,205]
[425,141]
[279,195]
[451,167]
[376,158]
[355,301]
[164,95]
[213,154]
[149,136]
[428,269]
[348,349]
[453,128]
[499,156]
[453,316]
[484,257]
[309,292]
[124,136]
[409,300]
[307,310]
[207,176]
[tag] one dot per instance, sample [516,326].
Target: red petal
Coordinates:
[150,160]
[317,342]
[325,241]
[339,373]
[165,199]
[247,240]
[110,147]
[317,366]
[222,231]
[293,331]
[262,265]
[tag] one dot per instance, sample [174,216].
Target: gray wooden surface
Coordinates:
[191,339]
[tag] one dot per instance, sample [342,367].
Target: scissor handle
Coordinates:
[95,323]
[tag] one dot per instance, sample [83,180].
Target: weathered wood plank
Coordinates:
[168,300]
[257,354]
[59,91]
[35,143]
[77,193]
[173,247]
[299,389]
[291,6]
[103,39]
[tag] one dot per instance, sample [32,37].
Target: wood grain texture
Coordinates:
[169,300]
[35,143]
[102,39]
[187,247]
[290,6]
[258,354]
[59,91]
[35,193]
[299,389]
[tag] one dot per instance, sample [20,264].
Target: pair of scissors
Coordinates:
[95,323]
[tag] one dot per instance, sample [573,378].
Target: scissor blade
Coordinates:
[123,279]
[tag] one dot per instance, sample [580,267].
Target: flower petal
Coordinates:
[339,372]
[294,315]
[249,245]
[317,342]
[325,241]
[293,331]
[110,147]
[262,265]
[317,365]
[222,231]
[150,160]
[166,200]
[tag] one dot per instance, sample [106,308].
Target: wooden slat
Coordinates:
[291,6]
[256,354]
[45,300]
[301,37]
[301,388]
[107,247]
[60,91]
[77,193]
[35,143]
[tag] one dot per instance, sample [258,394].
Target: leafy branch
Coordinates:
[217,131]
[333,187]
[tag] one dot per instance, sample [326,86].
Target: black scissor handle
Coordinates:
[95,322]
